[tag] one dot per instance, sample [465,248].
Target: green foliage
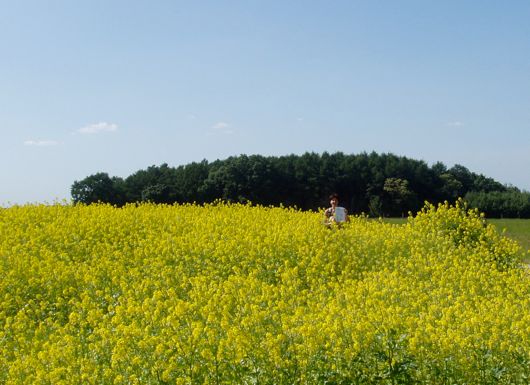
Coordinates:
[498,204]
[98,188]
[380,184]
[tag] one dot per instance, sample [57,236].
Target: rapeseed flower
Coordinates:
[226,293]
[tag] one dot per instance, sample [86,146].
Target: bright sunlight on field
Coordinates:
[220,294]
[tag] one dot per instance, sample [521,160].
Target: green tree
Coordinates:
[462,175]
[189,180]
[156,193]
[451,188]
[384,183]
[137,183]
[498,204]
[375,207]
[397,190]
[98,187]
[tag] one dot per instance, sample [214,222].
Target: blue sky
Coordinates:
[117,86]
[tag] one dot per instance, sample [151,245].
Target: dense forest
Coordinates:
[376,184]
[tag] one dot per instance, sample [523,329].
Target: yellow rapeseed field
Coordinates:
[240,294]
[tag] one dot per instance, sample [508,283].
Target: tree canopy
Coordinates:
[378,184]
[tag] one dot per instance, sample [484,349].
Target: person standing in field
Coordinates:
[335,213]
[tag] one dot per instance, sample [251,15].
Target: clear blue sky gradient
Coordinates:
[175,82]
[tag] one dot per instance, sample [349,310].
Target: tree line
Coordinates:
[376,184]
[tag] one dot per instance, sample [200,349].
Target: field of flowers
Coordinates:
[238,294]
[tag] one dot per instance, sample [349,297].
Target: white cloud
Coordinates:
[98,127]
[41,143]
[455,124]
[220,126]
[223,128]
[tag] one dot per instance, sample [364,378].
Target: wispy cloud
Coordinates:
[455,124]
[96,128]
[223,128]
[41,143]
[220,126]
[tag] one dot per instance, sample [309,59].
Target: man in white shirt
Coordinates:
[336,213]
